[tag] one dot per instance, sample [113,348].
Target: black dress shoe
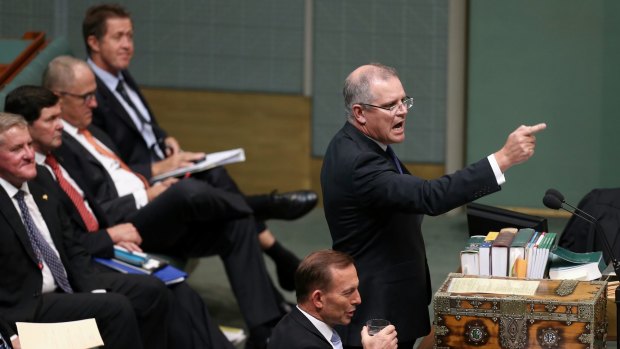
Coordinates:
[288,206]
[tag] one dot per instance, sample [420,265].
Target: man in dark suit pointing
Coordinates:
[374,206]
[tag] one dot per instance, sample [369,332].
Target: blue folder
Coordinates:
[168,274]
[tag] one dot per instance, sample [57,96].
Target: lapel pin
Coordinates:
[44,196]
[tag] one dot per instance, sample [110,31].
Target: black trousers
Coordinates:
[131,314]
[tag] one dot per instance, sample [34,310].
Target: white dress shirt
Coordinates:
[126,182]
[324,328]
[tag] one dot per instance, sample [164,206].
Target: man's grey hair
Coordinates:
[8,121]
[60,72]
[357,89]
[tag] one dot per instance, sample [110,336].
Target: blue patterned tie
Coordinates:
[41,248]
[391,153]
[336,340]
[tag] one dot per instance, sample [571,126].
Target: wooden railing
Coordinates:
[9,70]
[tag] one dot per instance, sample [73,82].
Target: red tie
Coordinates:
[78,201]
[105,152]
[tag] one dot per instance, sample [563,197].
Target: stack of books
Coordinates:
[571,265]
[522,253]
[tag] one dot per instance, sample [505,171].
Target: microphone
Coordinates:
[556,193]
[553,199]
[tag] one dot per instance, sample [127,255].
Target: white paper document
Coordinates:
[82,334]
[496,286]
[210,161]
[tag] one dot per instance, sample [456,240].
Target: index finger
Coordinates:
[536,128]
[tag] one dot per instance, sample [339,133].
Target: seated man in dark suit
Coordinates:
[190,325]
[326,283]
[185,218]
[124,114]
[47,276]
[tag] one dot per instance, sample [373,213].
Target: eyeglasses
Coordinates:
[407,102]
[87,97]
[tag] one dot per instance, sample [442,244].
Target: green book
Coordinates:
[517,248]
[566,264]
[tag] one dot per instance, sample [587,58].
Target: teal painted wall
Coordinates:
[552,61]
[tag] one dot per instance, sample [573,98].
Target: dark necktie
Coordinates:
[42,250]
[391,153]
[78,201]
[120,88]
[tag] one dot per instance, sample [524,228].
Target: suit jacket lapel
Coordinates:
[303,321]
[41,198]
[368,143]
[7,209]
[110,102]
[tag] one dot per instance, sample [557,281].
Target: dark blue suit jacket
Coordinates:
[111,117]
[375,214]
[295,331]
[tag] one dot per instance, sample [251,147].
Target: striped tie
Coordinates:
[78,201]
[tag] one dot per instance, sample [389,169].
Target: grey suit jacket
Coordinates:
[375,214]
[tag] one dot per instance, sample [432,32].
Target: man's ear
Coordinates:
[358,114]
[93,43]
[317,299]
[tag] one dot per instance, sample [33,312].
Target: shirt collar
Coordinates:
[11,190]
[324,328]
[108,79]
[70,129]
[39,158]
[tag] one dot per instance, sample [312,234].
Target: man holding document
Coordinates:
[124,115]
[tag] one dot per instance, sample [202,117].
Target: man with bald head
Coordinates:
[374,206]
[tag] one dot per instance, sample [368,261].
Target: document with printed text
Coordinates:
[82,334]
[496,286]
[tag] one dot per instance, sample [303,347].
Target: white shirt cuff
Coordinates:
[499,176]
[13,337]
[141,198]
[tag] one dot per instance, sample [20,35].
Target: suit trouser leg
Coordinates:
[191,326]
[237,245]
[218,177]
[170,220]
[149,299]
[113,312]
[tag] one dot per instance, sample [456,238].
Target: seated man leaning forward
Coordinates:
[326,285]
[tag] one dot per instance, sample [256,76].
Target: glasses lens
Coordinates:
[408,103]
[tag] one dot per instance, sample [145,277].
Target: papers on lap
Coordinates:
[79,334]
[210,161]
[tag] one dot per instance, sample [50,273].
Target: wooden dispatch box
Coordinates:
[561,314]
